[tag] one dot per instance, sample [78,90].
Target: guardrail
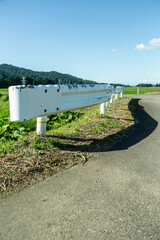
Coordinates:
[27,102]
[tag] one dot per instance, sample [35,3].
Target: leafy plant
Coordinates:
[56,121]
[4,97]
[10,130]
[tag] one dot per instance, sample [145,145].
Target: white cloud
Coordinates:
[155,42]
[142,47]
[152,44]
[114,50]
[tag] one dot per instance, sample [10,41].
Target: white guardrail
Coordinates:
[27,102]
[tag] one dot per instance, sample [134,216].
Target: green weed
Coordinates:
[73,134]
[40,153]
[58,120]
[43,143]
[116,124]
[102,124]
[4,97]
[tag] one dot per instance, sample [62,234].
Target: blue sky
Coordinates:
[111,41]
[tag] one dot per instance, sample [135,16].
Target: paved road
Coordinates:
[115,195]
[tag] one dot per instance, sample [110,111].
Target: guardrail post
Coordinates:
[107,104]
[41,125]
[121,94]
[111,100]
[103,109]
[116,96]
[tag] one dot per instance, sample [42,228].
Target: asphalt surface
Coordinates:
[115,195]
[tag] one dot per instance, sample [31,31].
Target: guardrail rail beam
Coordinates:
[27,102]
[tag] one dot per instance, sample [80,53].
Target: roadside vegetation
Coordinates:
[142,90]
[72,138]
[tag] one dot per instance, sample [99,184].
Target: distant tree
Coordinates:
[144,85]
[117,84]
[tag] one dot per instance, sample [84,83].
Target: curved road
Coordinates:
[115,195]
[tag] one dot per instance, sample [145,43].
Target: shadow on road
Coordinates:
[143,127]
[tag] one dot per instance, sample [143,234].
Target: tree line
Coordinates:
[11,75]
[148,85]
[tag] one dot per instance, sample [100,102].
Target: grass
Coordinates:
[79,136]
[142,90]
[3,90]
[43,144]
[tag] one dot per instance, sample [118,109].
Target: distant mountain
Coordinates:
[11,75]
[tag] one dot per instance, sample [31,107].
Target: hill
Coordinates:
[12,75]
